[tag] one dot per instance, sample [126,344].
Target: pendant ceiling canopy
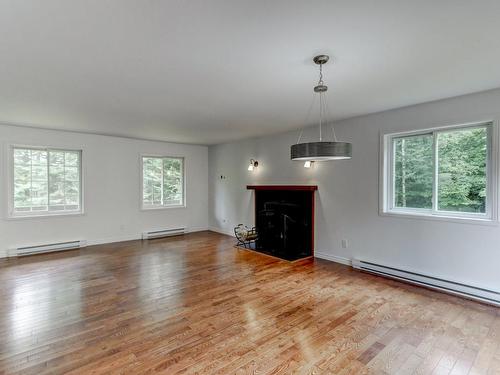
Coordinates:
[321,150]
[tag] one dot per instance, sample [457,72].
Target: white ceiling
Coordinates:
[208,71]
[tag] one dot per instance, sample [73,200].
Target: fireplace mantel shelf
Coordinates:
[283,187]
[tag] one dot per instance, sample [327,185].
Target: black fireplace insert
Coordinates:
[284,220]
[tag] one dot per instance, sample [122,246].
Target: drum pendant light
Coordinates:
[321,150]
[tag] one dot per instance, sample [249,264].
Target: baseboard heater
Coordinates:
[452,287]
[163,233]
[48,248]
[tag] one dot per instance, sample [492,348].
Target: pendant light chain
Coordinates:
[321,103]
[320,115]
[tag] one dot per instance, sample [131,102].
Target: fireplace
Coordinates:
[284,218]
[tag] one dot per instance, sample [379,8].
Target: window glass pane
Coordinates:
[71,174]
[56,157]
[462,181]
[39,193]
[73,200]
[72,180]
[71,188]
[22,156]
[56,174]
[147,190]
[72,159]
[156,188]
[39,172]
[56,193]
[22,194]
[152,181]
[22,173]
[162,181]
[30,179]
[46,180]
[413,171]
[172,181]
[39,157]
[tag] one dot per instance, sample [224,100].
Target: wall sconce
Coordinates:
[253,164]
[308,164]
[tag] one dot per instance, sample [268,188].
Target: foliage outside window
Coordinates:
[45,181]
[441,172]
[162,182]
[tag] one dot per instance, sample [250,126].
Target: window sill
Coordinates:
[44,216]
[163,207]
[450,219]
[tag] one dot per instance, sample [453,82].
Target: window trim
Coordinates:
[386,184]
[141,169]
[11,215]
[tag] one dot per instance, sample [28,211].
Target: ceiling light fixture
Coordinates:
[322,150]
[253,164]
[308,163]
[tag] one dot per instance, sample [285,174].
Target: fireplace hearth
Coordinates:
[284,218]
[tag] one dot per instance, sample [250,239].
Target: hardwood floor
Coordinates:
[195,304]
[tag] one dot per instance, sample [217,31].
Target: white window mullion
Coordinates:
[31,179]
[48,180]
[64,180]
[162,181]
[435,181]
[490,173]
[392,174]
[492,177]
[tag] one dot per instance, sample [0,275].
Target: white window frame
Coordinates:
[162,207]
[386,203]
[11,214]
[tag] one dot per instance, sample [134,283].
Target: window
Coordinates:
[162,182]
[45,181]
[441,172]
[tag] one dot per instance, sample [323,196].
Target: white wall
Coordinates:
[348,196]
[111,179]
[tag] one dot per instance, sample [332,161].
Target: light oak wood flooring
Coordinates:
[196,305]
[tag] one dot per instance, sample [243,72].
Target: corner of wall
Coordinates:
[221,231]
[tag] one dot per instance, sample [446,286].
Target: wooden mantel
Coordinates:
[283,187]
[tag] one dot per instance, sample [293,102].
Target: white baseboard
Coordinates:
[133,237]
[106,240]
[98,241]
[480,293]
[333,258]
[221,231]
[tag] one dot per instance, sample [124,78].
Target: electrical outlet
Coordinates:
[345,244]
